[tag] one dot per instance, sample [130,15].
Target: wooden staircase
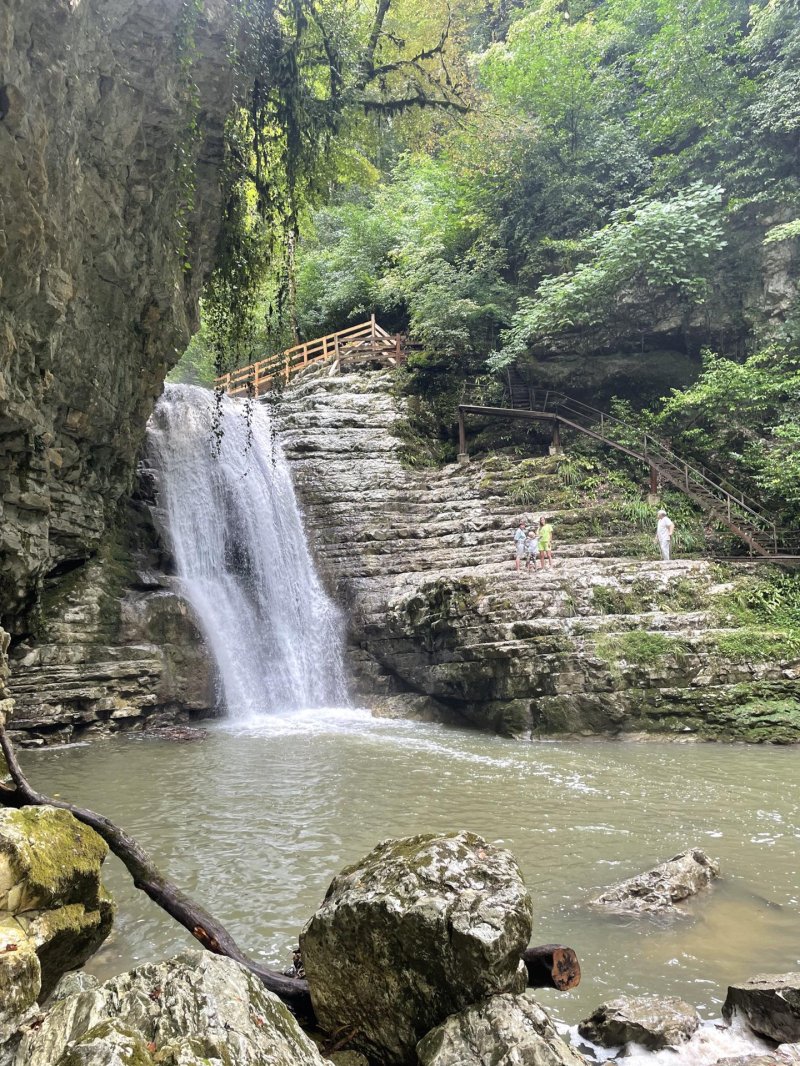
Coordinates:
[366,342]
[721,501]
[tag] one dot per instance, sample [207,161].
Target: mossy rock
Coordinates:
[109,1044]
[53,857]
[50,884]
[20,977]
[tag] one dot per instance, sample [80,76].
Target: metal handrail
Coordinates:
[653,448]
[739,509]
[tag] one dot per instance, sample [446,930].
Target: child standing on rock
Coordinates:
[519,542]
[532,549]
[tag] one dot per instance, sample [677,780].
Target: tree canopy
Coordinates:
[512,179]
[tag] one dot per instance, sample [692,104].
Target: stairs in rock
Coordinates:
[725,504]
[422,560]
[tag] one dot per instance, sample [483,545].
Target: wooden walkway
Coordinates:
[366,342]
[743,516]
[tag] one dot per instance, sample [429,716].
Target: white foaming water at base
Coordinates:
[242,556]
[713,1042]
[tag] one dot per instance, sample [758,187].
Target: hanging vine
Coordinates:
[303,67]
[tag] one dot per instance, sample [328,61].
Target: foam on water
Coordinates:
[242,556]
[713,1042]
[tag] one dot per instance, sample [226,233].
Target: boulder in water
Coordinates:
[503,1030]
[194,1009]
[419,929]
[658,890]
[769,1003]
[654,1022]
[54,911]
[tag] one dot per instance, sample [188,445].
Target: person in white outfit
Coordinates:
[664,531]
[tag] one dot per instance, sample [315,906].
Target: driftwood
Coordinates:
[549,966]
[146,876]
[552,966]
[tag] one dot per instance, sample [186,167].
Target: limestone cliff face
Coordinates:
[608,641]
[111,120]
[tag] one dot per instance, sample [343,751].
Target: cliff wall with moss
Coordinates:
[111,140]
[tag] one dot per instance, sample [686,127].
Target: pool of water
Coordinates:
[253,822]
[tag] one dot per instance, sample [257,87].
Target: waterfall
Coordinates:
[242,556]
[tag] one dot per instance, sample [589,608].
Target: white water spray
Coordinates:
[242,556]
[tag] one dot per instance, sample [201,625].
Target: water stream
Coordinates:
[254,822]
[237,536]
[254,819]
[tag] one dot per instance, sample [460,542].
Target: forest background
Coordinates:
[552,181]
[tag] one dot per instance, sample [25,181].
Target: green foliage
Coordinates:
[308,74]
[758,645]
[741,419]
[638,647]
[646,251]
[787,231]
[771,602]
[526,492]
[541,174]
[196,366]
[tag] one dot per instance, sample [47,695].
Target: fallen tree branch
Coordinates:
[552,966]
[147,877]
[549,965]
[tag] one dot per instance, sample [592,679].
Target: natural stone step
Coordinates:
[423,558]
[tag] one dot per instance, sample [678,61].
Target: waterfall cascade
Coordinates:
[242,557]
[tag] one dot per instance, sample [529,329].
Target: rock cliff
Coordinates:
[111,121]
[605,642]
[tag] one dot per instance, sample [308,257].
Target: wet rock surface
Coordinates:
[653,1022]
[419,929]
[111,653]
[109,106]
[194,1009]
[420,557]
[504,1030]
[54,911]
[658,890]
[769,1004]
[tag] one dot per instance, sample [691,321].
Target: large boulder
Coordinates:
[20,978]
[658,890]
[503,1030]
[54,911]
[419,929]
[193,1010]
[769,1003]
[653,1022]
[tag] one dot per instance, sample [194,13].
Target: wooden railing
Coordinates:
[366,338]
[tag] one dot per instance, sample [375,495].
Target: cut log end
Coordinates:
[552,966]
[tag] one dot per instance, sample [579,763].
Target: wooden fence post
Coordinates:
[462,434]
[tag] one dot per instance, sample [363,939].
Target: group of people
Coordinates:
[534,545]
